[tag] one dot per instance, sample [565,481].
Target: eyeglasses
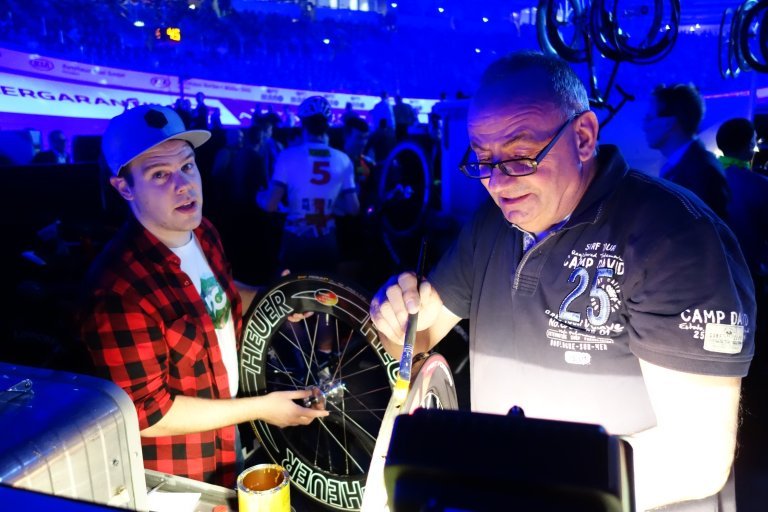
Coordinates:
[513,166]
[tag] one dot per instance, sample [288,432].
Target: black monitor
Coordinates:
[456,461]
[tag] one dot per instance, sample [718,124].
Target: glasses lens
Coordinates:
[472,167]
[519,167]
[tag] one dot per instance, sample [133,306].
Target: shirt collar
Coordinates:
[610,169]
[729,161]
[675,157]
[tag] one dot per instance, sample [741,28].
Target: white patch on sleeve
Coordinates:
[723,338]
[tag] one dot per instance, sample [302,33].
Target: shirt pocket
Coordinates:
[186,345]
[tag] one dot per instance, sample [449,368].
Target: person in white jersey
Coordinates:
[319,183]
[162,314]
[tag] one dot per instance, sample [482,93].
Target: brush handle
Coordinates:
[404,375]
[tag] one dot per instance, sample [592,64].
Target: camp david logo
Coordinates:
[721,331]
[594,278]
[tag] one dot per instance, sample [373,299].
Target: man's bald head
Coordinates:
[532,77]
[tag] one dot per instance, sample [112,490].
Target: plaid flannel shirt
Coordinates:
[147,329]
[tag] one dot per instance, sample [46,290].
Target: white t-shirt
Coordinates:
[314,175]
[194,264]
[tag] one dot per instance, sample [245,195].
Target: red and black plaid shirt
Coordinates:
[147,329]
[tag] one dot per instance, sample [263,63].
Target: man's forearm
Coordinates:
[669,469]
[192,414]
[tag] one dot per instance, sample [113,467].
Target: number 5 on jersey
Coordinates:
[320,173]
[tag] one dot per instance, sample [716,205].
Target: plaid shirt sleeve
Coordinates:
[127,343]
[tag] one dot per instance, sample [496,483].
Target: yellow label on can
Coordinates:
[264,488]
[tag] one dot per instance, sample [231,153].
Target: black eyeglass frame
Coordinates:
[534,162]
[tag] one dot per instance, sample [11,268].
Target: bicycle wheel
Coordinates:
[404,189]
[432,387]
[634,31]
[335,351]
[562,29]
[725,47]
[753,35]
[740,31]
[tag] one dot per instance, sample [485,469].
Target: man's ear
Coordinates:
[587,130]
[123,188]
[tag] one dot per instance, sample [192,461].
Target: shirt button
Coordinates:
[187,283]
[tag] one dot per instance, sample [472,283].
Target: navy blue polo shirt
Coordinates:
[641,269]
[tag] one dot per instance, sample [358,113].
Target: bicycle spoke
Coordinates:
[317,447]
[337,371]
[333,437]
[273,384]
[366,408]
[377,390]
[284,370]
[311,349]
[346,417]
[343,364]
[296,345]
[359,372]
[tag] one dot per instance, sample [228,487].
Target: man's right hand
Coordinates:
[400,296]
[279,409]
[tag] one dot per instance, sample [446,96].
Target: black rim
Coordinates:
[336,350]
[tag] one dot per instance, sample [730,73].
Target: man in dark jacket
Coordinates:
[670,126]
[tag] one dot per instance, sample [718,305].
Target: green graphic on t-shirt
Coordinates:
[215,300]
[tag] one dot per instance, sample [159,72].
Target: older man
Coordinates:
[595,293]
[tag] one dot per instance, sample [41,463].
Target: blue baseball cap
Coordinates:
[140,129]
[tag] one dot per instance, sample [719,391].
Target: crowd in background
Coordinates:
[417,55]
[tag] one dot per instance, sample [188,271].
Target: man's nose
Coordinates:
[182,181]
[498,179]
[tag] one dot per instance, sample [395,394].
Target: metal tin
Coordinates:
[264,488]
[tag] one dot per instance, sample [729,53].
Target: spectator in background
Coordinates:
[290,119]
[273,117]
[269,148]
[200,113]
[382,141]
[356,135]
[436,117]
[318,182]
[671,125]
[748,207]
[405,117]
[215,119]
[183,107]
[349,113]
[382,111]
[56,152]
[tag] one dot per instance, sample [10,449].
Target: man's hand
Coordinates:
[399,297]
[281,410]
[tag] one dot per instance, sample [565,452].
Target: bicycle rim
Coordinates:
[336,349]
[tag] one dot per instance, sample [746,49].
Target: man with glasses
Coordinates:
[595,293]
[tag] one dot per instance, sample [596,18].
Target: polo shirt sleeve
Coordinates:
[127,346]
[691,303]
[454,275]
